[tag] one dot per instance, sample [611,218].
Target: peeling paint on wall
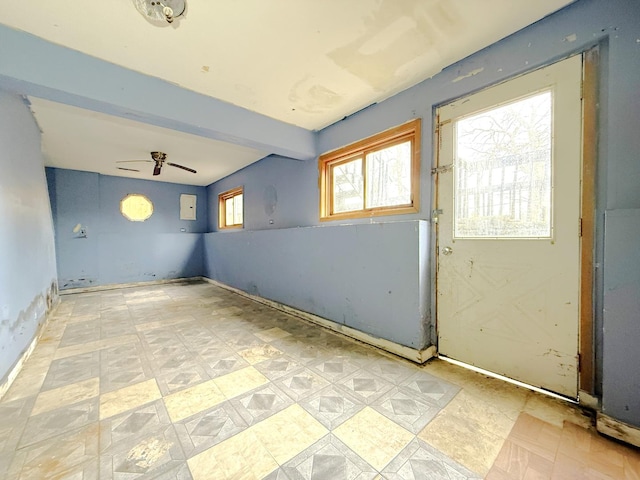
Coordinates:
[34,312]
[77,282]
[27,290]
[467,75]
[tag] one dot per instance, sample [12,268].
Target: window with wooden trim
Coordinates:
[379,175]
[230,209]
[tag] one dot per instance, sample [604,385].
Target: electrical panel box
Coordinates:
[187,207]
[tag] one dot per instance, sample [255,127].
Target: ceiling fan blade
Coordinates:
[156,169]
[128,169]
[182,167]
[134,161]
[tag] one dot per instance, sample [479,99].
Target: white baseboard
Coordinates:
[417,356]
[4,387]
[619,430]
[113,286]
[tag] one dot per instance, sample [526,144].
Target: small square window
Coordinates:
[230,209]
[376,176]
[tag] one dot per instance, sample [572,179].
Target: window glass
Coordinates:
[376,176]
[348,183]
[389,176]
[509,149]
[230,208]
[237,209]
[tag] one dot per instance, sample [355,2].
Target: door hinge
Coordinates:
[580,227]
[435,215]
[442,169]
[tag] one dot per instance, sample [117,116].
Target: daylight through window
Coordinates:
[376,176]
[503,171]
[136,207]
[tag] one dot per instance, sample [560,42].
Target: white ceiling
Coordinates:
[304,62]
[78,139]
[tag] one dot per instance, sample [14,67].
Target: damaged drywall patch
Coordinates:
[472,73]
[32,311]
[29,319]
[77,282]
[391,41]
[52,295]
[310,97]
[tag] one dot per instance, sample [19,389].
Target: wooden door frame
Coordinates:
[586,351]
[589,94]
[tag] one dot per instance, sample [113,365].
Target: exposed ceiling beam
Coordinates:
[32,66]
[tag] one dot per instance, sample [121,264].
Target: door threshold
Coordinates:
[509,380]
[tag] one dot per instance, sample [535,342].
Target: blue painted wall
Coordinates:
[368,277]
[621,376]
[613,26]
[115,249]
[27,255]
[277,189]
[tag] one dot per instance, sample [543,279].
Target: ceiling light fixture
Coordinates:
[161,12]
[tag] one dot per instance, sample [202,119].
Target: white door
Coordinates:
[508,202]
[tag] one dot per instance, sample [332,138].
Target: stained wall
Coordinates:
[28,279]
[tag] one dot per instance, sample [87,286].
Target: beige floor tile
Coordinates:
[555,411]
[259,353]
[24,386]
[470,431]
[67,395]
[505,396]
[152,299]
[95,345]
[58,458]
[272,334]
[374,437]
[536,436]
[190,401]
[38,364]
[144,327]
[127,398]
[240,381]
[289,432]
[228,311]
[240,457]
[483,412]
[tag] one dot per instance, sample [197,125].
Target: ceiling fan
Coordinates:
[159,158]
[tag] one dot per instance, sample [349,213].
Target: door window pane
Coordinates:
[389,176]
[509,149]
[348,184]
